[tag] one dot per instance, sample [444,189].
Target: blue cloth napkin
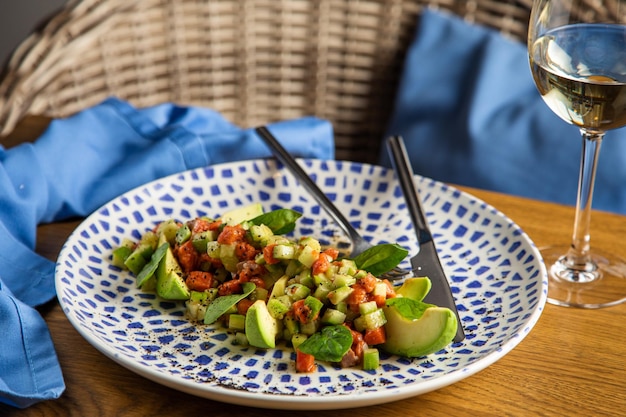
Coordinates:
[77,165]
[470,114]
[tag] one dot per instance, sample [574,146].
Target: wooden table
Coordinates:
[571,364]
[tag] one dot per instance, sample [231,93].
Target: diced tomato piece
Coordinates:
[231,234]
[187,256]
[200,225]
[368,282]
[268,255]
[375,336]
[199,280]
[305,363]
[380,300]
[229,287]
[258,281]
[332,252]
[357,296]
[245,251]
[321,264]
[358,344]
[244,305]
[301,311]
[215,225]
[205,258]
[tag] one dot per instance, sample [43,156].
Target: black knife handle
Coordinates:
[403,169]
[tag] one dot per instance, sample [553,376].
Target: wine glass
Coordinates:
[577,54]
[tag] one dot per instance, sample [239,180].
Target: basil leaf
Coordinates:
[281,221]
[381,258]
[328,345]
[222,304]
[409,308]
[148,270]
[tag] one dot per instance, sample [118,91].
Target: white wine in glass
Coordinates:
[577,54]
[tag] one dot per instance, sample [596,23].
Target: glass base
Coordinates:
[601,283]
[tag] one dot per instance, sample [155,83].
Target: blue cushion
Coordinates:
[470,114]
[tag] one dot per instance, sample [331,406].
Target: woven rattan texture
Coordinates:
[255,61]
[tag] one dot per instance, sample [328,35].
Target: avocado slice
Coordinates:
[241,214]
[260,327]
[415,288]
[170,283]
[433,331]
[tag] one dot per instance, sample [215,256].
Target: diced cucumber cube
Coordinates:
[284,251]
[259,293]
[277,308]
[370,321]
[314,305]
[294,267]
[139,257]
[213,249]
[321,279]
[311,242]
[297,339]
[236,322]
[240,339]
[332,316]
[168,230]
[228,257]
[305,278]
[260,234]
[347,267]
[341,280]
[367,307]
[297,291]
[201,240]
[291,324]
[308,256]
[380,289]
[340,294]
[183,234]
[310,327]
[120,255]
[371,359]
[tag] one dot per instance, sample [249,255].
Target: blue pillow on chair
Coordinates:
[470,114]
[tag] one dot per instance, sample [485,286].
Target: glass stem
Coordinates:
[578,257]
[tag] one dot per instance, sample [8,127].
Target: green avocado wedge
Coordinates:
[415,288]
[430,333]
[241,214]
[170,283]
[260,327]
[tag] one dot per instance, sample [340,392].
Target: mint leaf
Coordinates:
[328,345]
[148,270]
[280,221]
[381,258]
[409,308]
[222,304]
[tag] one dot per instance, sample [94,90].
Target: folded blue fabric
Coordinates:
[77,165]
[470,114]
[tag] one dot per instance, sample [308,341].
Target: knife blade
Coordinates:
[426,262]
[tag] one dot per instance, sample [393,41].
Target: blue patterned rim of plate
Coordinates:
[496,273]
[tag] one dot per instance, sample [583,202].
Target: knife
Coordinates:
[426,262]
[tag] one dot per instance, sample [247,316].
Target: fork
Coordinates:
[359,243]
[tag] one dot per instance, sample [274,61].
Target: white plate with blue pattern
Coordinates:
[496,273]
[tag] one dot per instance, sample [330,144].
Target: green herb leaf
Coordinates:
[222,304]
[381,258]
[409,308]
[281,221]
[148,270]
[328,345]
